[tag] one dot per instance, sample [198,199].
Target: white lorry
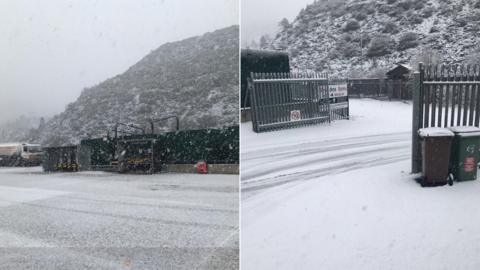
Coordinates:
[20,154]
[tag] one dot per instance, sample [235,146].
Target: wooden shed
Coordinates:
[400,72]
[398,84]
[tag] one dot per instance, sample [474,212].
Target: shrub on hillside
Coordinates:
[418,5]
[359,16]
[407,41]
[383,9]
[380,46]
[346,49]
[406,5]
[434,29]
[427,12]
[461,21]
[351,25]
[415,19]
[347,37]
[390,27]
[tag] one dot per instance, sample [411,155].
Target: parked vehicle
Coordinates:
[20,154]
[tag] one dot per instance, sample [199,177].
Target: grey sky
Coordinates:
[262,16]
[51,50]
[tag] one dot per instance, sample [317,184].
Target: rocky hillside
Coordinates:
[357,38]
[195,79]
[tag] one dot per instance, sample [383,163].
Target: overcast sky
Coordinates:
[261,17]
[51,50]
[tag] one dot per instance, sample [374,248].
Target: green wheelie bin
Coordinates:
[464,157]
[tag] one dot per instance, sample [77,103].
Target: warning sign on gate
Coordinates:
[338,90]
[295,115]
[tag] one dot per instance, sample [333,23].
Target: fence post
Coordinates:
[416,119]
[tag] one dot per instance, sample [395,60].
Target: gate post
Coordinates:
[417,94]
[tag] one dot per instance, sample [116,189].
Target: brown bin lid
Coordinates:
[435,132]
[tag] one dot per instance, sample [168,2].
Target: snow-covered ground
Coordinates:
[341,197]
[378,132]
[99,220]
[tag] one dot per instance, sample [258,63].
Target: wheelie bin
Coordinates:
[436,146]
[464,153]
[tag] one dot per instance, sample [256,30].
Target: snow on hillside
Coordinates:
[358,38]
[195,79]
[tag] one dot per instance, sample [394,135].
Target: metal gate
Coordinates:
[444,96]
[284,100]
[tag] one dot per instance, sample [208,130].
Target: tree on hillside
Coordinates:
[265,41]
[284,24]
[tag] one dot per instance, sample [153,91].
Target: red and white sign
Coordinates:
[295,115]
[469,164]
[338,90]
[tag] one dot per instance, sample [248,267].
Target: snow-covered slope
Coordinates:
[355,37]
[195,79]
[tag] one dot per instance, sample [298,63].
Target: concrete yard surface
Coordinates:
[98,220]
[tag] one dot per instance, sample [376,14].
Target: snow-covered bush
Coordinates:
[381,45]
[407,41]
[351,25]
[390,27]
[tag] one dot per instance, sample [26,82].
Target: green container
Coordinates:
[464,154]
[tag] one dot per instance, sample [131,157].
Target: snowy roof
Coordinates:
[435,132]
[9,144]
[466,131]
[17,144]
[405,66]
[400,69]
[264,52]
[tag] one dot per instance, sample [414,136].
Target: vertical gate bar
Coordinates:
[271,104]
[285,90]
[434,112]
[440,98]
[417,104]
[310,99]
[254,103]
[259,103]
[454,95]
[264,100]
[465,97]
[440,107]
[446,75]
[258,87]
[281,98]
[274,95]
[472,97]
[459,97]
[476,73]
[426,95]
[269,98]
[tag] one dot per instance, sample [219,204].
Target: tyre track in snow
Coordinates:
[275,166]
